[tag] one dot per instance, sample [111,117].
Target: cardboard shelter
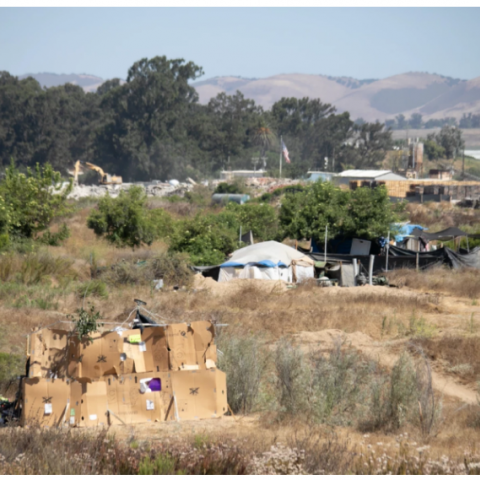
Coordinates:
[123,377]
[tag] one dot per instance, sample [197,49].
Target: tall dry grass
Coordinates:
[458,283]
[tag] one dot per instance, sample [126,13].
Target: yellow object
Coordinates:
[135,338]
[105,178]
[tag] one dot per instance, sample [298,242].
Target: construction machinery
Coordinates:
[77,170]
[105,178]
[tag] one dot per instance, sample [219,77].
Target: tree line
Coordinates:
[400,122]
[153,127]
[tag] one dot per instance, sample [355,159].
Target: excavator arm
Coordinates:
[91,166]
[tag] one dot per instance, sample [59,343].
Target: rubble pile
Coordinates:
[152,374]
[158,189]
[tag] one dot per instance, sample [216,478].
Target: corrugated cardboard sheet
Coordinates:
[104,379]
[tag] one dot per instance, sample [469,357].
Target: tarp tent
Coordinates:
[268,261]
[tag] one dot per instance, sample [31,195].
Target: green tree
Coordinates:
[450,138]
[261,219]
[433,150]
[33,199]
[126,220]
[402,123]
[207,239]
[364,213]
[415,120]
[143,135]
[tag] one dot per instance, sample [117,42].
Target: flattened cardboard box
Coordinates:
[48,353]
[181,345]
[205,349]
[128,404]
[200,394]
[96,356]
[88,404]
[45,401]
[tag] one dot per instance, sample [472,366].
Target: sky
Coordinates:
[247,42]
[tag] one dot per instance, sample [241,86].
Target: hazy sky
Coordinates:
[249,42]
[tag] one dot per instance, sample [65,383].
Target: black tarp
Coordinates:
[444,235]
[402,258]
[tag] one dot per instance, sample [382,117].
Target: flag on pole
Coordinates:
[285,152]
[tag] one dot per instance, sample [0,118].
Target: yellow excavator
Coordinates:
[105,178]
[77,170]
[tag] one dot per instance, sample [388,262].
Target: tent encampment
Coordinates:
[268,261]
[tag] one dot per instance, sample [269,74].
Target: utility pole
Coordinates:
[463,164]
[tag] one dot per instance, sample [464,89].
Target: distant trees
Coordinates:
[152,127]
[450,139]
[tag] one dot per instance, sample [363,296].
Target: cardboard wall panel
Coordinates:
[44,401]
[198,394]
[96,358]
[181,346]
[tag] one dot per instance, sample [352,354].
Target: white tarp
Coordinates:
[269,251]
[268,261]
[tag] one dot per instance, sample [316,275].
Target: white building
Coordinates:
[345,177]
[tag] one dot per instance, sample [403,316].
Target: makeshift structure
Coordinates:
[149,374]
[268,261]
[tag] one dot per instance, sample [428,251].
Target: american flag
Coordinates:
[285,153]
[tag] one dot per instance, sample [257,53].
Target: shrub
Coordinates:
[126,220]
[11,366]
[32,199]
[293,379]
[55,239]
[244,359]
[207,239]
[170,266]
[261,219]
[34,268]
[93,288]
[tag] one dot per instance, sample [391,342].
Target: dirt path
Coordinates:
[381,352]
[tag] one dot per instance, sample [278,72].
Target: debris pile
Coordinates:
[152,374]
[158,189]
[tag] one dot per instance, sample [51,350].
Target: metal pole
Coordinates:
[325,249]
[468,248]
[370,270]
[355,271]
[240,236]
[388,248]
[281,142]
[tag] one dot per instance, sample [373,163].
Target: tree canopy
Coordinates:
[152,127]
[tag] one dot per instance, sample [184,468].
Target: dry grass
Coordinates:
[459,283]
[460,356]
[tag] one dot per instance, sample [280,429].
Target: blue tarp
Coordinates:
[262,263]
[406,230]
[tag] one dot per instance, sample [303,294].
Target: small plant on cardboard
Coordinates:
[86,322]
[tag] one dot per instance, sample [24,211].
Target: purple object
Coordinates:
[155,385]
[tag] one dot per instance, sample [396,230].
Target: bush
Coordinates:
[126,220]
[11,366]
[207,239]
[93,288]
[238,186]
[32,200]
[171,266]
[34,268]
[244,360]
[293,379]
[261,219]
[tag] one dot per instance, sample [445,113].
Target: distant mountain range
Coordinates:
[433,96]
